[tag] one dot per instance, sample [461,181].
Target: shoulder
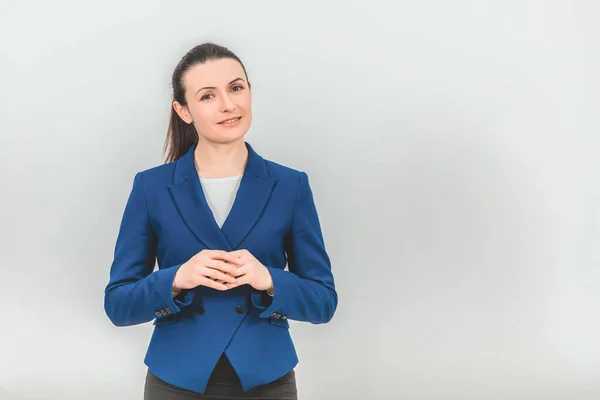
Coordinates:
[159,175]
[292,179]
[280,171]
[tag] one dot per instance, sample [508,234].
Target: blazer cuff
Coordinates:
[166,278]
[261,299]
[280,280]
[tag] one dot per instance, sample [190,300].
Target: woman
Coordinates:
[221,222]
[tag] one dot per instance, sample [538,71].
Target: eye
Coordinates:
[236,87]
[205,97]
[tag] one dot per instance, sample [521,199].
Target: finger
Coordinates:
[216,254]
[223,267]
[240,253]
[204,281]
[239,282]
[243,270]
[235,253]
[216,274]
[223,255]
[238,272]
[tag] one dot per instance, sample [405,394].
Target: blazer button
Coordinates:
[200,311]
[240,309]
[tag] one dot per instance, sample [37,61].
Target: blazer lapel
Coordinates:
[252,196]
[251,199]
[191,202]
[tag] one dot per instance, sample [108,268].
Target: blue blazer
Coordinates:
[167,220]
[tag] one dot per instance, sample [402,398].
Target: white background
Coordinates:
[451,148]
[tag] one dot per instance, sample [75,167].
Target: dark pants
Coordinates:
[223,384]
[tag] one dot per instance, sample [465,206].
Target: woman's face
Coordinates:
[217,91]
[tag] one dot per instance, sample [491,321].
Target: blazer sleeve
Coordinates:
[307,291]
[135,294]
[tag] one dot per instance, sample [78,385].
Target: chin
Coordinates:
[228,138]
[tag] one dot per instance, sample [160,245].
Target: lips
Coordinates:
[229,120]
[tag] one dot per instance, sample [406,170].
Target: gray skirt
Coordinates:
[222,384]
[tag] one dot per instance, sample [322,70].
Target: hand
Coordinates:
[210,268]
[251,272]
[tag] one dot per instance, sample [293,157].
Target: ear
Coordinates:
[183,112]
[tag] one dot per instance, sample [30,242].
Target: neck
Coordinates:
[220,160]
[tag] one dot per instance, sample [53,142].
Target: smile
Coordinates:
[230,121]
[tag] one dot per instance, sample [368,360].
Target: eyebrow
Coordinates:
[212,87]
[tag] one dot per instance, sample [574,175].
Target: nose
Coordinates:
[227,104]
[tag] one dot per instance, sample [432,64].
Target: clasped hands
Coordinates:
[223,270]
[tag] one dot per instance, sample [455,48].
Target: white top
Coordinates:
[220,194]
